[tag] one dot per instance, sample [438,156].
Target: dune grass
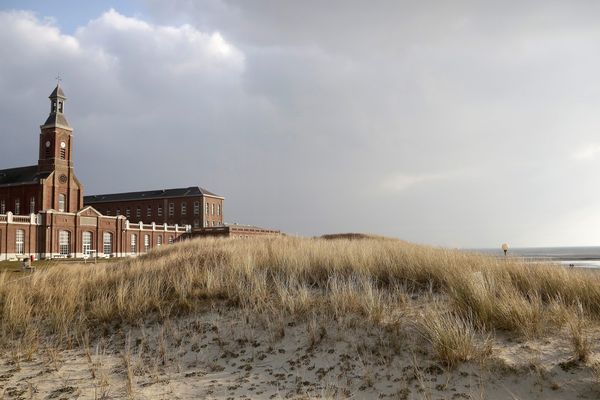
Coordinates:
[372,278]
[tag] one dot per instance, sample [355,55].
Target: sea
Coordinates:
[578,257]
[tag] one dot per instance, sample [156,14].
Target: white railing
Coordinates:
[10,218]
[159,228]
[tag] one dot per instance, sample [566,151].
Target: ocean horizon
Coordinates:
[576,256]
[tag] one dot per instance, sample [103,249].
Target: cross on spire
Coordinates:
[58,79]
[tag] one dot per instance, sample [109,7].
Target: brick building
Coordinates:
[42,212]
[193,206]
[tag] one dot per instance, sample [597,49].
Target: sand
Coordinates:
[222,353]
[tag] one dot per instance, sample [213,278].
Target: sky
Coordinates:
[461,124]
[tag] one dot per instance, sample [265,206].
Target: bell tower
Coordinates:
[63,192]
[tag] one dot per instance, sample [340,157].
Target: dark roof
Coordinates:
[57,119]
[57,92]
[149,194]
[15,176]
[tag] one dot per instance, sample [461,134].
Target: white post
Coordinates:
[9,217]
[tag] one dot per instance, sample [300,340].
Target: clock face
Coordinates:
[63,145]
[48,143]
[62,179]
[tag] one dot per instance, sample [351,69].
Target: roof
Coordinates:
[57,92]
[149,194]
[57,119]
[15,176]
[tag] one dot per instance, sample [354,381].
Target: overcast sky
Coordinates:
[462,123]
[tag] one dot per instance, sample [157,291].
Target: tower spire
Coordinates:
[57,108]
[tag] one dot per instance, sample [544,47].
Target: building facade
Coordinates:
[42,212]
[193,206]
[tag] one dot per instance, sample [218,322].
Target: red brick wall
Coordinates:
[178,217]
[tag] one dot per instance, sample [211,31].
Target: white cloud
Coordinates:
[587,153]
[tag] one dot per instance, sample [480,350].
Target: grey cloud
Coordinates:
[321,104]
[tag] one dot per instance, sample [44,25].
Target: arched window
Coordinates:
[61,202]
[107,244]
[20,242]
[64,243]
[146,243]
[86,243]
[159,241]
[133,243]
[170,239]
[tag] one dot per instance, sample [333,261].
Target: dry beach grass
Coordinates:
[417,302]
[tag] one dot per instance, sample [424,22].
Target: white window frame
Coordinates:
[17,206]
[133,243]
[184,208]
[20,242]
[171,209]
[171,240]
[64,243]
[86,242]
[146,243]
[32,205]
[159,241]
[62,200]
[196,208]
[138,212]
[2,206]
[107,243]
[159,211]
[149,211]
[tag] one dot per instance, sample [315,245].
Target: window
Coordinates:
[138,213]
[61,202]
[149,211]
[205,223]
[146,243]
[133,243]
[196,208]
[107,243]
[107,212]
[2,206]
[118,212]
[64,247]
[48,151]
[170,239]
[17,206]
[60,106]
[159,211]
[159,241]
[183,208]
[171,209]
[127,212]
[63,153]
[86,243]
[219,209]
[20,242]
[207,208]
[196,223]
[212,208]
